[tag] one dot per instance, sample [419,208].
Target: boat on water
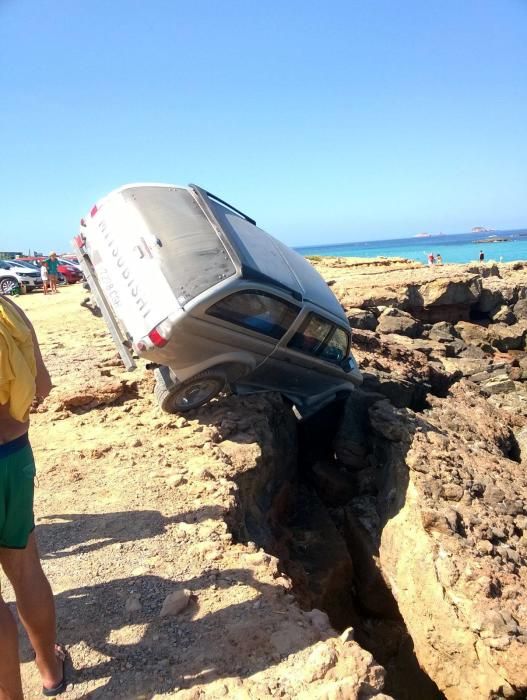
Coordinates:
[423,235]
[493,239]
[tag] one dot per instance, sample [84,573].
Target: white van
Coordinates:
[193,285]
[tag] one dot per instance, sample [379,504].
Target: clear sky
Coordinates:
[326,121]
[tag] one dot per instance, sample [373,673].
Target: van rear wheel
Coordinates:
[191,393]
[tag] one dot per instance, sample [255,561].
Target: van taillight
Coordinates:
[93,211]
[156,337]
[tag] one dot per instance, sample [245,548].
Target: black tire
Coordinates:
[7,284]
[190,394]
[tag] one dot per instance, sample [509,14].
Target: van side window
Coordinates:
[322,338]
[256,311]
[312,336]
[336,349]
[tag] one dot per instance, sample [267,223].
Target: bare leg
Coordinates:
[10,684]
[36,608]
[45,285]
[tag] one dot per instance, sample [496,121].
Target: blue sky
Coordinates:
[327,122]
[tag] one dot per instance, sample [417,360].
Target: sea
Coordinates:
[454,248]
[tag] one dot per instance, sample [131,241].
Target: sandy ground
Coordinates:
[129,505]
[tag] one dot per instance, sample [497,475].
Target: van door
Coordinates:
[308,363]
[125,256]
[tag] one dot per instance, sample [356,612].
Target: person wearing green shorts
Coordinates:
[19,556]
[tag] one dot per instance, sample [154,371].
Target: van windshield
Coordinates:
[191,255]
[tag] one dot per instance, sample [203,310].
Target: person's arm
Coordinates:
[42,380]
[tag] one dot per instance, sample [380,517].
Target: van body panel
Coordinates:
[124,256]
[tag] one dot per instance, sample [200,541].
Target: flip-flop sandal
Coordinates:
[60,687]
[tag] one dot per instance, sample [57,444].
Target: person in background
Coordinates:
[439,259]
[481,256]
[44,275]
[431,259]
[23,378]
[52,265]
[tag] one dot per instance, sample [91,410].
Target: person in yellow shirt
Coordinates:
[23,378]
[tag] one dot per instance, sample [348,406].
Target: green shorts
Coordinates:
[17,473]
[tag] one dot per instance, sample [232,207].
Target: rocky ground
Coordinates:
[154,598]
[378,550]
[444,516]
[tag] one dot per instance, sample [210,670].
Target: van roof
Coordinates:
[264,258]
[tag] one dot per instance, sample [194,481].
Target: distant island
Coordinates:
[482,229]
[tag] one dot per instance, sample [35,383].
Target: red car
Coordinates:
[70,273]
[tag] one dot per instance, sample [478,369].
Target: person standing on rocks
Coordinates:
[439,259]
[481,256]
[23,378]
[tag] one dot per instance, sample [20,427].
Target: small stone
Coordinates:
[484,546]
[175,602]
[137,443]
[452,492]
[176,480]
[499,643]
[132,604]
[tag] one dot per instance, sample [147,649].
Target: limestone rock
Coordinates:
[499,384]
[351,438]
[393,320]
[520,309]
[88,397]
[474,334]
[504,315]
[462,597]
[443,332]
[387,421]
[505,338]
[362,318]
[175,602]
[458,290]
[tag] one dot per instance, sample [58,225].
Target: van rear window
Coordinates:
[191,255]
[256,311]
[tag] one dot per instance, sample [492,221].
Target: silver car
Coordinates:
[190,283]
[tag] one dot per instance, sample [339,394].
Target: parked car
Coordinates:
[12,275]
[190,283]
[68,271]
[71,262]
